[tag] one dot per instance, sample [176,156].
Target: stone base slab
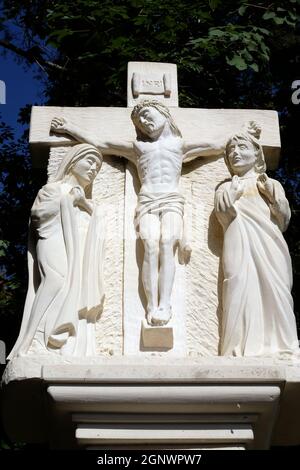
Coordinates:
[127,403]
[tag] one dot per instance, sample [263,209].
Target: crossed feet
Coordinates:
[159,316]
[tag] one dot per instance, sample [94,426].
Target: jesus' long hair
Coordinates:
[161,108]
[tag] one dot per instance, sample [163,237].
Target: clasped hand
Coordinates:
[59,124]
[80,200]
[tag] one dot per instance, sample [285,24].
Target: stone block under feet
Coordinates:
[159,338]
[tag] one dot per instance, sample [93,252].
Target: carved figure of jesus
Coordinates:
[158,153]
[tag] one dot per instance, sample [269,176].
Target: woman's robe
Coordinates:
[65,289]
[258,316]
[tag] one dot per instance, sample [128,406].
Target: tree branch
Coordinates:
[33,56]
[258,6]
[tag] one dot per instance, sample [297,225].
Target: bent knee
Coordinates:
[151,245]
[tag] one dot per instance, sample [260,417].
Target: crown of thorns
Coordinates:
[160,107]
[152,104]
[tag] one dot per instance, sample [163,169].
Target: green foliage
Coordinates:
[17,192]
[92,42]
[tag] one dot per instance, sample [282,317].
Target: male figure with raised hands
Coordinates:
[158,153]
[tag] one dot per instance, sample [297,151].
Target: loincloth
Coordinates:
[158,204]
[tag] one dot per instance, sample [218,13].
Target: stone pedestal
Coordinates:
[126,403]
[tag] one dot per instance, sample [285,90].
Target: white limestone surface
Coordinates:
[109,192]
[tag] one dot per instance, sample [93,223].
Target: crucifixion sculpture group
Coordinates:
[66,290]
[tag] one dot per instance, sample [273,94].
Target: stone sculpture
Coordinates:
[158,152]
[66,243]
[258,316]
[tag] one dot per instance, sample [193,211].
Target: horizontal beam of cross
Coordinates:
[109,123]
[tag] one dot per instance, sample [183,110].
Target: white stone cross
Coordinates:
[195,292]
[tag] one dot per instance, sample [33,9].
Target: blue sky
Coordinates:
[22,88]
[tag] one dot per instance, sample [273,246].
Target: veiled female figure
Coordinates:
[65,257]
[258,316]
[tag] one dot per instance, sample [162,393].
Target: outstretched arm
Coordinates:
[122,149]
[192,150]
